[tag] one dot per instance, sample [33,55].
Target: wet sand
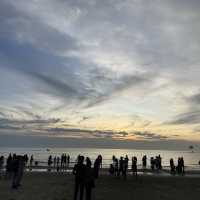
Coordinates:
[52,186]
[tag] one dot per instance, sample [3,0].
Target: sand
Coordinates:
[52,186]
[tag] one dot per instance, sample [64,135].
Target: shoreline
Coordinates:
[104,172]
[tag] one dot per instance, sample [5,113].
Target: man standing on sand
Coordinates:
[79,171]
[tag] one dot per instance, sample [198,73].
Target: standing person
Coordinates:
[1,166]
[64,162]
[68,160]
[49,162]
[79,171]
[159,162]
[124,169]
[152,161]
[113,159]
[182,165]
[144,162]
[54,161]
[31,162]
[18,165]
[58,164]
[89,179]
[172,166]
[116,167]
[134,166]
[120,170]
[26,158]
[9,166]
[126,162]
[97,164]
[100,160]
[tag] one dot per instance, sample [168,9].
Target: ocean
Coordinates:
[41,154]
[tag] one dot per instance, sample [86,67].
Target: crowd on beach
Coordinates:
[85,173]
[120,166]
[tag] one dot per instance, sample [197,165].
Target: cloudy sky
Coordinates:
[100,69]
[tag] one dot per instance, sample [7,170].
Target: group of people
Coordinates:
[119,166]
[180,168]
[59,162]
[85,176]
[156,163]
[14,168]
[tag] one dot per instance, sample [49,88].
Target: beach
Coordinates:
[60,186]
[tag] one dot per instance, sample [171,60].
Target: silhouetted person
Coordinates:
[1,166]
[68,160]
[152,161]
[172,166]
[18,165]
[182,165]
[97,164]
[116,163]
[58,164]
[124,168]
[89,179]
[159,162]
[156,161]
[54,161]
[26,159]
[113,159]
[9,166]
[79,171]
[31,162]
[49,163]
[134,166]
[144,162]
[64,161]
[100,160]
[120,169]
[126,162]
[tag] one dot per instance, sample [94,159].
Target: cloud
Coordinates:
[90,87]
[149,135]
[192,117]
[194,99]
[192,114]
[70,132]
[21,125]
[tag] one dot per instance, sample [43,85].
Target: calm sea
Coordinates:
[41,154]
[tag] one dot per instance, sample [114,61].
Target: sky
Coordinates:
[115,70]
